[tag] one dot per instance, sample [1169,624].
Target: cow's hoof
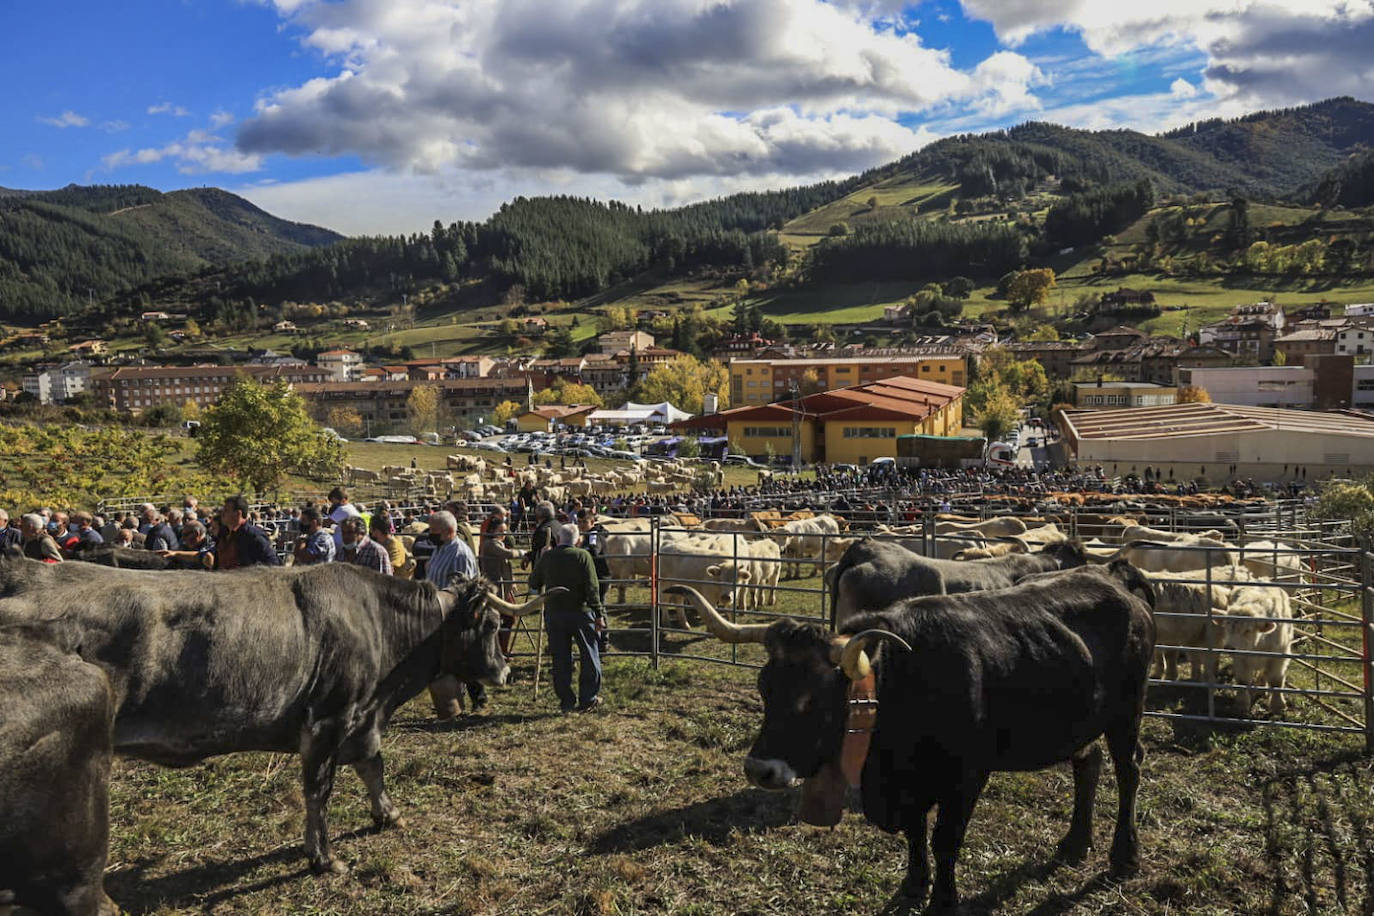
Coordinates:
[392,820]
[1122,868]
[1071,850]
[330,866]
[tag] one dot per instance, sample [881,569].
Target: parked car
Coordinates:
[488,446]
[744,460]
[470,435]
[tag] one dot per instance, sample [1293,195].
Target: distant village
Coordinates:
[1315,358]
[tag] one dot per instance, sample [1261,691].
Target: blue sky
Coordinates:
[383,115]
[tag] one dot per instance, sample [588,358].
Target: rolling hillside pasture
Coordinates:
[900,197]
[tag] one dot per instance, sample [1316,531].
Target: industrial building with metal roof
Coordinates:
[1215,443]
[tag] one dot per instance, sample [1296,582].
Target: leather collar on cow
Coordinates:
[824,795]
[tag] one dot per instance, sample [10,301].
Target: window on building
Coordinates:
[767,432]
[869,432]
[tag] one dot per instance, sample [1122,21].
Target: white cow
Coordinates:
[804,538]
[1175,557]
[1186,598]
[1005,526]
[1254,621]
[1267,560]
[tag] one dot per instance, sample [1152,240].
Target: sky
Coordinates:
[381,116]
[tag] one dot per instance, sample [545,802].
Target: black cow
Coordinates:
[128,558]
[872,573]
[1017,679]
[310,660]
[55,753]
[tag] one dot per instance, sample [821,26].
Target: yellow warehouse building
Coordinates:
[852,425]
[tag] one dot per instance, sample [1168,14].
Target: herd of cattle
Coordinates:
[1013,647]
[477,480]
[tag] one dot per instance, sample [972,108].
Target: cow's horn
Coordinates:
[721,628]
[522,610]
[853,658]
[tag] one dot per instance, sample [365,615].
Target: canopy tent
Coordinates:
[631,413]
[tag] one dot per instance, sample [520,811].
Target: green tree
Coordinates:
[1353,501]
[838,230]
[558,344]
[155,336]
[1043,332]
[998,415]
[958,288]
[257,434]
[1030,287]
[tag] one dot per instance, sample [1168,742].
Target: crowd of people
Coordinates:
[430,543]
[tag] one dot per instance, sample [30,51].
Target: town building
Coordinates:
[550,417]
[740,346]
[1124,300]
[763,381]
[1306,341]
[382,404]
[1254,386]
[1056,356]
[852,425]
[342,365]
[615,341]
[1121,337]
[1360,310]
[136,388]
[285,327]
[1216,443]
[1123,394]
[1362,389]
[1356,340]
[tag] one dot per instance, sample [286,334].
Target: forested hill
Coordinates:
[1267,154]
[58,247]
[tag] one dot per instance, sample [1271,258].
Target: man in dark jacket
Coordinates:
[159,535]
[242,544]
[571,617]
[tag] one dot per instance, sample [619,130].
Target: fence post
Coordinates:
[1367,619]
[1212,656]
[653,590]
[738,593]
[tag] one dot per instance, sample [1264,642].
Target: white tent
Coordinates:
[631,413]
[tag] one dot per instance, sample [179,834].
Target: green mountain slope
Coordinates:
[59,247]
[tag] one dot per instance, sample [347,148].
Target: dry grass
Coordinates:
[642,808]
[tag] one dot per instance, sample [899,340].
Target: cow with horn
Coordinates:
[307,659]
[915,706]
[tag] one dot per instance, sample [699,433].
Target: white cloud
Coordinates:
[221,118]
[168,108]
[66,119]
[643,90]
[1182,89]
[197,153]
[1260,52]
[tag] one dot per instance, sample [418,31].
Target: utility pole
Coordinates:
[796,426]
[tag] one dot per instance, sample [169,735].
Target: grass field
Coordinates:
[897,198]
[642,808]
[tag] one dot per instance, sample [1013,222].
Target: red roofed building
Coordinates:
[843,426]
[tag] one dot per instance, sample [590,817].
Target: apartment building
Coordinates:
[137,388]
[382,404]
[764,381]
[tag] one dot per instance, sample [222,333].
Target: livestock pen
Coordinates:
[643,808]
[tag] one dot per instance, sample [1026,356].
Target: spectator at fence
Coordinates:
[542,537]
[240,543]
[85,529]
[494,560]
[452,557]
[459,510]
[360,550]
[159,535]
[571,617]
[10,536]
[340,508]
[197,549]
[315,545]
[65,538]
[382,533]
[38,544]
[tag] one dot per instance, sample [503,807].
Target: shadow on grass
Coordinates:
[465,723]
[749,810]
[209,883]
[1302,811]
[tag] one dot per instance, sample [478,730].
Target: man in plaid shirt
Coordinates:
[361,550]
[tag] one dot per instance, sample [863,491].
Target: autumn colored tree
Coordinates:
[422,407]
[1193,394]
[567,393]
[346,421]
[684,382]
[505,411]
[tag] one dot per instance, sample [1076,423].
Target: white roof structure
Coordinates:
[630,413]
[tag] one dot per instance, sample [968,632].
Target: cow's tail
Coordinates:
[845,563]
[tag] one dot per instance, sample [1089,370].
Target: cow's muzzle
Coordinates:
[498,679]
[770,774]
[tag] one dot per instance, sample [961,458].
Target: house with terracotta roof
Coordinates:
[853,425]
[549,417]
